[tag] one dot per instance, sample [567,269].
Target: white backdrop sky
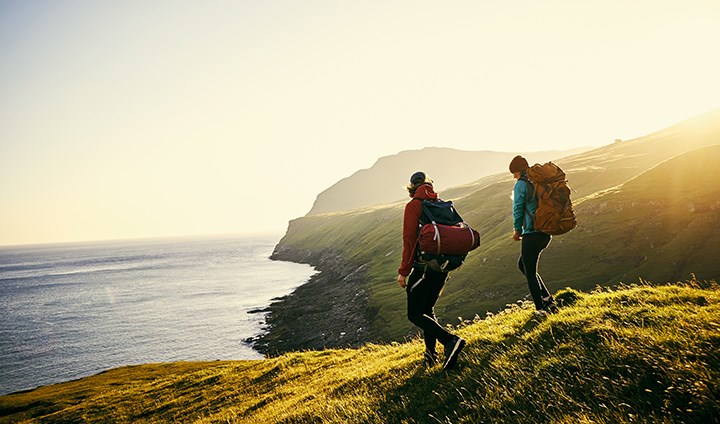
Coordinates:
[123,119]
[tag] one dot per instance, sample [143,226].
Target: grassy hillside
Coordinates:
[670,223]
[645,207]
[634,354]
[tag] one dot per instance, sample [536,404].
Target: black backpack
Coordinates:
[439,212]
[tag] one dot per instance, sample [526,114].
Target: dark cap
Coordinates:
[418,178]
[518,164]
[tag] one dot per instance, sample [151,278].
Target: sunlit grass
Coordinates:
[636,353]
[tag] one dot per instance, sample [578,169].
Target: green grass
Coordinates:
[636,353]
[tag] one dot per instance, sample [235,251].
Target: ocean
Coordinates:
[72,310]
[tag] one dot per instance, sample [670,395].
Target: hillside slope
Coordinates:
[635,354]
[669,223]
[383,182]
[615,238]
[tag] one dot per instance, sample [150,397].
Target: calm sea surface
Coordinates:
[73,310]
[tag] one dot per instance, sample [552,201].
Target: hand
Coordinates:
[516,235]
[401,281]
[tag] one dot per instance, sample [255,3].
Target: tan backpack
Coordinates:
[555,214]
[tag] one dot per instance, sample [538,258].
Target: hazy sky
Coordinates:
[143,118]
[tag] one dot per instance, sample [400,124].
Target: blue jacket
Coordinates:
[524,206]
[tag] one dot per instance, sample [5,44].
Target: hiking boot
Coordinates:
[430,358]
[452,350]
[550,306]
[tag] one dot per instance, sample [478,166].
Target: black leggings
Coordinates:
[423,290]
[532,245]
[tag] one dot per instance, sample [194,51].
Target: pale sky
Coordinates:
[148,118]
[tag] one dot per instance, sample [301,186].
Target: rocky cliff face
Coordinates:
[329,311]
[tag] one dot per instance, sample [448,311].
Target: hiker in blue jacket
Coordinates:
[533,242]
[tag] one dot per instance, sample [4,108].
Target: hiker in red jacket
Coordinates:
[422,284]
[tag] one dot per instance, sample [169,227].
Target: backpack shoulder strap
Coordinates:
[525,178]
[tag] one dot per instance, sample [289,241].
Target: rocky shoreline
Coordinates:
[328,311]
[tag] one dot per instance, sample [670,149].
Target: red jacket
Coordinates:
[411,220]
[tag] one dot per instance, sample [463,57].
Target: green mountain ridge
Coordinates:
[637,353]
[682,236]
[627,229]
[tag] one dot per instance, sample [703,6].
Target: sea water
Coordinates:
[72,310]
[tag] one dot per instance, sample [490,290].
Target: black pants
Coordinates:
[532,245]
[423,289]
